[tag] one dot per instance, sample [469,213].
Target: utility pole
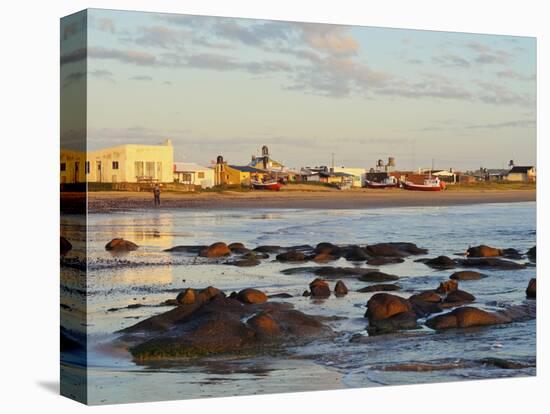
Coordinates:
[332,161]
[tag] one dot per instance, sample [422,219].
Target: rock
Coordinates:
[483,251]
[355,254]
[291,256]
[186,249]
[465,317]
[467,275]
[399,249]
[491,263]
[381,260]
[65,246]
[324,257]
[121,245]
[340,289]
[250,262]
[327,271]
[441,262]
[376,276]
[426,303]
[251,296]
[208,293]
[221,326]
[505,363]
[513,254]
[280,295]
[384,305]
[238,248]
[319,288]
[383,287]
[328,248]
[400,321]
[459,296]
[447,286]
[306,293]
[531,290]
[255,255]
[187,297]
[532,254]
[268,249]
[218,249]
[264,324]
[421,367]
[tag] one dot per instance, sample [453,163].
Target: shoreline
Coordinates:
[111,201]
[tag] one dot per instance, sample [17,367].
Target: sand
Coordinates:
[302,197]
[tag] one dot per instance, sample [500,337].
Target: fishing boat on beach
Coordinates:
[271,185]
[389,182]
[430,184]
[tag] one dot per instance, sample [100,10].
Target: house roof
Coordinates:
[246,168]
[189,167]
[520,169]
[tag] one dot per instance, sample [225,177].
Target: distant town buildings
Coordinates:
[136,163]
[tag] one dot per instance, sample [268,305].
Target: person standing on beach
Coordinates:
[156,194]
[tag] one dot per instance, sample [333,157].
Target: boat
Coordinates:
[389,182]
[430,184]
[271,185]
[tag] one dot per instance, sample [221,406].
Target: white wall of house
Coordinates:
[194,174]
[358,174]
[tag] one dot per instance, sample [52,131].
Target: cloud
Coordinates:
[329,38]
[524,123]
[497,94]
[258,34]
[511,74]
[162,36]
[106,25]
[141,78]
[125,56]
[488,55]
[451,61]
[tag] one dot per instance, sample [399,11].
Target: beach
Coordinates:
[308,197]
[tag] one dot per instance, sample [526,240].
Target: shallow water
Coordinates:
[150,276]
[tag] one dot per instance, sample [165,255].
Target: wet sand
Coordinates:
[100,202]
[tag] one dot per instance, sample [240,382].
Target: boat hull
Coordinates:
[420,187]
[372,184]
[267,186]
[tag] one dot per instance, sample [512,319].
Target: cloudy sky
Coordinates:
[228,86]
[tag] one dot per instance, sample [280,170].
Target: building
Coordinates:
[358,174]
[522,174]
[234,175]
[265,162]
[130,163]
[193,174]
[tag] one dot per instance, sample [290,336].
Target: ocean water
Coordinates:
[149,276]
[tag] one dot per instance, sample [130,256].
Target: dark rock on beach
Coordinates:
[382,260]
[244,262]
[387,313]
[187,297]
[355,254]
[65,246]
[483,251]
[467,275]
[220,325]
[491,263]
[441,262]
[447,286]
[251,296]
[186,249]
[238,248]
[218,249]
[328,249]
[505,363]
[531,290]
[340,289]
[291,256]
[459,296]
[376,276]
[121,245]
[532,253]
[319,288]
[397,249]
[383,287]
[268,249]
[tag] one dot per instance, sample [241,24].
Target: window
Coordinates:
[138,165]
[63,166]
[115,165]
[87,167]
[201,174]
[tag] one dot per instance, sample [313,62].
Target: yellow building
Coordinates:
[128,163]
[522,174]
[225,174]
[265,162]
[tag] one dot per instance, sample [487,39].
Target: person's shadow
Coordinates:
[51,386]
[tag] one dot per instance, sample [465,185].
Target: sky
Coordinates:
[227,86]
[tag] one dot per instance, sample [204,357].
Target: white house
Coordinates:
[193,174]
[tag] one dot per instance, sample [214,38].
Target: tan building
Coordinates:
[225,174]
[130,163]
[193,174]
[522,174]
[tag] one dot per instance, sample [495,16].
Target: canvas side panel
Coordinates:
[73,203]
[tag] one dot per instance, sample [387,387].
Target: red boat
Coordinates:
[430,184]
[389,182]
[271,185]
